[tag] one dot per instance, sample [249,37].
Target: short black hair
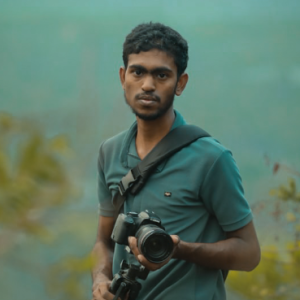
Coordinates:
[147,36]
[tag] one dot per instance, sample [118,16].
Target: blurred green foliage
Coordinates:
[278,274]
[34,181]
[65,277]
[287,192]
[32,176]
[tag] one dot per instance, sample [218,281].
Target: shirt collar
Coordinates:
[128,155]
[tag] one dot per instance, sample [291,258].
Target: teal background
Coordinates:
[59,64]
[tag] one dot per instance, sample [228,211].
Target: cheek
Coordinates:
[129,87]
[129,92]
[170,90]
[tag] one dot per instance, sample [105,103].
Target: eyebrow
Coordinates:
[152,71]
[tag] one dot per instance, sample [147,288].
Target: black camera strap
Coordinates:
[135,179]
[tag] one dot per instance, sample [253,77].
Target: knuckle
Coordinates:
[106,295]
[95,294]
[131,241]
[132,246]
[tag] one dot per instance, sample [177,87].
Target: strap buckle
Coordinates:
[126,183]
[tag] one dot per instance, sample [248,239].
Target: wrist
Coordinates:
[99,279]
[188,251]
[177,254]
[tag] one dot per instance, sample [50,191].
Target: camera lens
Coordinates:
[154,243]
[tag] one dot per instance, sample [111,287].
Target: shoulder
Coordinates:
[113,142]
[210,149]
[111,147]
[212,145]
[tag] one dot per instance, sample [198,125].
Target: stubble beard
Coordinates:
[156,114]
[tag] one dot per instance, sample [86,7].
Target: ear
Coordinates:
[122,72]
[181,83]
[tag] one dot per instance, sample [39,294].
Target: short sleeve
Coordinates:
[223,194]
[106,207]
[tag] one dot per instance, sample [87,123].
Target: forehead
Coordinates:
[152,59]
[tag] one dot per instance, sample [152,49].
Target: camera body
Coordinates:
[153,242]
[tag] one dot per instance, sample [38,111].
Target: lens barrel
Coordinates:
[154,243]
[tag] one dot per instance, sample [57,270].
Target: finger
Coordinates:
[107,295]
[96,295]
[149,265]
[132,242]
[176,239]
[104,292]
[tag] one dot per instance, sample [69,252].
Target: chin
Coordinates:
[149,116]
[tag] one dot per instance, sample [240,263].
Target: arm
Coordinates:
[103,255]
[239,251]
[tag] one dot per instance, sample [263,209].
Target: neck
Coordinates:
[149,133]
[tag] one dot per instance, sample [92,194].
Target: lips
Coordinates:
[147,98]
[147,103]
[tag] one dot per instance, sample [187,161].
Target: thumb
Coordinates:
[176,239]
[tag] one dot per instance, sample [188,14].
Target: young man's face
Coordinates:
[150,83]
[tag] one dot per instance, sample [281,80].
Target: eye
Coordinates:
[162,75]
[137,72]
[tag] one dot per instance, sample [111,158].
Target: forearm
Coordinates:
[102,254]
[229,254]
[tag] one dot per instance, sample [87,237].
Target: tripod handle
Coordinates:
[120,290]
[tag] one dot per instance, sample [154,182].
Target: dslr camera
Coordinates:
[153,242]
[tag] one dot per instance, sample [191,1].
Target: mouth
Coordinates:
[147,98]
[147,102]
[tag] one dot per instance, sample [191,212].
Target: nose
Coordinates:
[148,84]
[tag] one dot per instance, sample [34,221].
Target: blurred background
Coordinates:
[60,97]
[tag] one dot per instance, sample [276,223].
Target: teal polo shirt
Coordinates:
[198,195]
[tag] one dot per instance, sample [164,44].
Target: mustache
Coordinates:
[147,96]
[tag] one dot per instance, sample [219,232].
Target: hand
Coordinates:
[101,291]
[132,242]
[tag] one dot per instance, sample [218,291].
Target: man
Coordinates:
[197,192]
